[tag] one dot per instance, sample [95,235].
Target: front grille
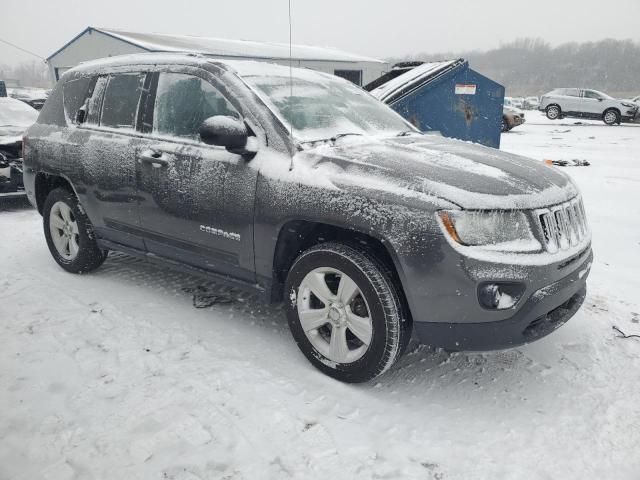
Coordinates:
[563,226]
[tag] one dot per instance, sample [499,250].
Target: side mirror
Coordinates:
[228,132]
[601,99]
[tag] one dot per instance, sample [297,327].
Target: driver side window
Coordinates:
[591,94]
[183,102]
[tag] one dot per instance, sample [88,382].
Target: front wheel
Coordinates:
[345,312]
[69,233]
[611,117]
[553,112]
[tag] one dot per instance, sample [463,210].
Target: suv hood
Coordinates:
[438,170]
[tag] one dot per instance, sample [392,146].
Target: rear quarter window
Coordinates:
[52,112]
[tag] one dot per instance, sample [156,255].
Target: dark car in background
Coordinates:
[15,118]
[512,117]
[302,186]
[34,97]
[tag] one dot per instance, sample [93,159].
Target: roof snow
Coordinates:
[220,47]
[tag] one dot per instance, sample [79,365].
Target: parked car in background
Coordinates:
[585,103]
[15,118]
[636,101]
[324,198]
[34,97]
[517,102]
[531,103]
[511,118]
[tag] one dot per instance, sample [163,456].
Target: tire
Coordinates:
[505,125]
[553,112]
[611,117]
[334,312]
[69,233]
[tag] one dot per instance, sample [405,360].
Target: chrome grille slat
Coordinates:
[563,226]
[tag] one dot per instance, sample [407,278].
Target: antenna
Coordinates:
[291,89]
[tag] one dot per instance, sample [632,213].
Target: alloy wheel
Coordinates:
[64,231]
[552,112]
[334,315]
[610,118]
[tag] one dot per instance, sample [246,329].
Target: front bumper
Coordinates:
[554,294]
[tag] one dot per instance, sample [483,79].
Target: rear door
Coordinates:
[196,200]
[571,101]
[106,143]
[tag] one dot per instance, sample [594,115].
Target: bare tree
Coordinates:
[28,74]
[530,66]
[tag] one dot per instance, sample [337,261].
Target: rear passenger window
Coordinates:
[121,98]
[74,95]
[183,102]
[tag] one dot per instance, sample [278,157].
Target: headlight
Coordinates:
[628,105]
[508,231]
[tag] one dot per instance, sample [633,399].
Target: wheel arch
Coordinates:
[296,236]
[45,183]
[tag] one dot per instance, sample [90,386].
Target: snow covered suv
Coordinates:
[302,186]
[577,102]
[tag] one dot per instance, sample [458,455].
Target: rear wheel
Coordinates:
[553,112]
[345,312]
[69,233]
[611,117]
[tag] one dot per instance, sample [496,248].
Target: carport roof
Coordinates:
[220,47]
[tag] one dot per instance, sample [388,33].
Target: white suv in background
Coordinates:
[582,103]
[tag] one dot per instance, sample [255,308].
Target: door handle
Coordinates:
[152,157]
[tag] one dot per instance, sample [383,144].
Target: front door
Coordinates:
[196,200]
[591,102]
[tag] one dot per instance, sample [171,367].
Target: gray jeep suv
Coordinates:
[302,186]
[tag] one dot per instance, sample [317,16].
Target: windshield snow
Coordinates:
[328,108]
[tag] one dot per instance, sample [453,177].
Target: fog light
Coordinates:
[499,296]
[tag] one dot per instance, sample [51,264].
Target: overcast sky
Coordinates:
[374,28]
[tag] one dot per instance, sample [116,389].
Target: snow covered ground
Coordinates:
[115,375]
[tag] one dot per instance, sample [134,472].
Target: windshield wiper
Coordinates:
[332,139]
[340,135]
[405,133]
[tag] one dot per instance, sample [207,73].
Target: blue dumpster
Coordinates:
[446,96]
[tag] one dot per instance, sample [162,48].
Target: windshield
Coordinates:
[598,94]
[14,113]
[326,108]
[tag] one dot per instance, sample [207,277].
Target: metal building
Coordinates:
[446,96]
[95,43]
